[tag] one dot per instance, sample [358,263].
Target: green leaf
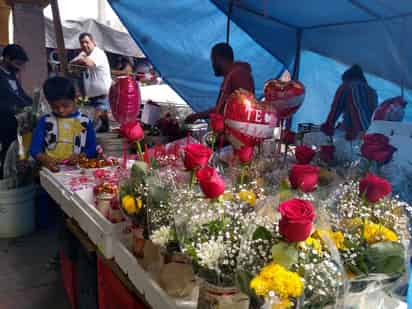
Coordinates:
[139,169]
[154,164]
[285,254]
[262,233]
[243,279]
[284,185]
[285,194]
[386,257]
[158,194]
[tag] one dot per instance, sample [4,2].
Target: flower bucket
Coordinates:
[216,297]
[176,257]
[138,241]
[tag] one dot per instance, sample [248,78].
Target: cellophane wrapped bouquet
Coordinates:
[210,220]
[293,261]
[374,230]
[139,194]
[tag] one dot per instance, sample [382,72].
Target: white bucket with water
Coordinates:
[17,211]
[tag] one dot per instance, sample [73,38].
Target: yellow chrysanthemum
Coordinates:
[260,285]
[248,196]
[131,205]
[278,279]
[283,304]
[337,237]
[314,244]
[373,233]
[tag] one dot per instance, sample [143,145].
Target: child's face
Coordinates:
[63,108]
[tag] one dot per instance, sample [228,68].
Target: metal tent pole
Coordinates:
[58,29]
[229,15]
[296,67]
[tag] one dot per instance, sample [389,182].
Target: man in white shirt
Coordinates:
[97,79]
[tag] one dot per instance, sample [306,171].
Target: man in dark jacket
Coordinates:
[12,95]
[237,75]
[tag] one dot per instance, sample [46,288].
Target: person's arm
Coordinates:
[25,99]
[86,61]
[90,148]
[336,110]
[10,98]
[38,145]
[200,115]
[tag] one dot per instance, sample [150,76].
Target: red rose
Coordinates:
[304,177]
[245,154]
[374,188]
[132,131]
[297,218]
[196,156]
[211,183]
[326,152]
[304,154]
[375,138]
[288,137]
[376,147]
[217,122]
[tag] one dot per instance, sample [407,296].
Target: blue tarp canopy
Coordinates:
[269,34]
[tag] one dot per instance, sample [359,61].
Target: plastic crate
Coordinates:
[101,231]
[57,191]
[69,278]
[111,292]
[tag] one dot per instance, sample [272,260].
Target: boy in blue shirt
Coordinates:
[64,134]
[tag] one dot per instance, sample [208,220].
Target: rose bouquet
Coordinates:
[300,267]
[374,229]
[212,237]
[210,223]
[140,194]
[377,150]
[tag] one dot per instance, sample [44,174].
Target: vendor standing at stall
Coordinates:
[12,94]
[236,74]
[356,101]
[97,79]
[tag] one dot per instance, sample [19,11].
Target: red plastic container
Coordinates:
[111,292]
[69,277]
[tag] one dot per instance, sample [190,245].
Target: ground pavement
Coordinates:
[27,280]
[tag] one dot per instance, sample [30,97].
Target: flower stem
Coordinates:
[214,138]
[242,174]
[192,179]
[368,166]
[139,150]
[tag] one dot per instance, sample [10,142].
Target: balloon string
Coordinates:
[125,149]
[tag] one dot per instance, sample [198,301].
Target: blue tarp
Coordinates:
[177,37]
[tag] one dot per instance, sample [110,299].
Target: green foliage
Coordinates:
[285,254]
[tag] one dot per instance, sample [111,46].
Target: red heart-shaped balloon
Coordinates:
[125,99]
[285,97]
[247,121]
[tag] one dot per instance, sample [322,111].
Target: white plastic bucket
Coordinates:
[17,211]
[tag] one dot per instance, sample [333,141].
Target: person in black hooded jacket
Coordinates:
[12,95]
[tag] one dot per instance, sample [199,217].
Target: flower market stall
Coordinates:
[250,213]
[261,223]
